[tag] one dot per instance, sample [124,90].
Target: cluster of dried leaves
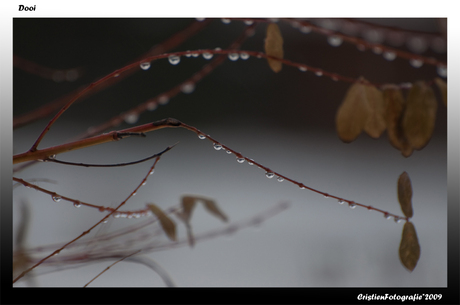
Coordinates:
[409,248]
[188,204]
[409,121]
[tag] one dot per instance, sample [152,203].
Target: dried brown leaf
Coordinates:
[375,124]
[405,194]
[353,113]
[274,46]
[442,85]
[394,109]
[188,203]
[420,115]
[409,248]
[166,223]
[211,206]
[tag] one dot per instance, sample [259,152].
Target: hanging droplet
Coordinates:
[303,68]
[248,22]
[269,175]
[240,160]
[302,187]
[207,55]
[416,63]
[163,100]
[334,41]
[341,201]
[151,172]
[56,198]
[116,75]
[174,59]
[389,55]
[326,195]
[319,73]
[442,71]
[116,215]
[144,183]
[225,21]
[386,216]
[152,106]
[280,179]
[351,205]
[251,162]
[417,45]
[52,157]
[233,56]
[244,56]
[228,152]
[77,204]
[145,65]
[201,136]
[397,219]
[200,19]
[217,146]
[131,118]
[305,29]
[134,194]
[187,88]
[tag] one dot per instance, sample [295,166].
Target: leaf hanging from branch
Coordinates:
[274,46]
[166,223]
[420,115]
[405,194]
[442,85]
[394,109]
[409,248]
[375,124]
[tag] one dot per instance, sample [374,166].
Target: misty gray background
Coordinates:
[284,121]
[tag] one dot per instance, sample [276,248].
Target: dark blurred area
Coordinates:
[234,92]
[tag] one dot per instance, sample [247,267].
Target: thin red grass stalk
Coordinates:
[95,225]
[317,71]
[173,123]
[108,267]
[164,46]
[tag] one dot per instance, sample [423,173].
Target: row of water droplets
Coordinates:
[270,175]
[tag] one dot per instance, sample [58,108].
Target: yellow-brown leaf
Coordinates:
[274,46]
[375,123]
[409,248]
[353,113]
[211,206]
[166,223]
[420,115]
[188,203]
[442,85]
[394,109]
[405,194]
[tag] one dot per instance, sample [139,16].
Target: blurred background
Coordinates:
[285,121]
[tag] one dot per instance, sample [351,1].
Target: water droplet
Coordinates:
[152,106]
[217,146]
[334,41]
[280,179]
[248,22]
[303,68]
[269,175]
[188,88]
[56,198]
[145,65]
[351,205]
[240,160]
[200,19]
[163,100]
[207,55]
[341,201]
[228,152]
[397,219]
[251,162]
[387,216]
[151,172]
[326,195]
[233,56]
[244,56]
[116,215]
[52,157]
[377,50]
[116,75]
[174,59]
[144,183]
[416,63]
[374,35]
[442,71]
[225,21]
[417,45]
[201,136]
[77,204]
[319,73]
[389,55]
[131,118]
[305,29]
[134,194]
[101,209]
